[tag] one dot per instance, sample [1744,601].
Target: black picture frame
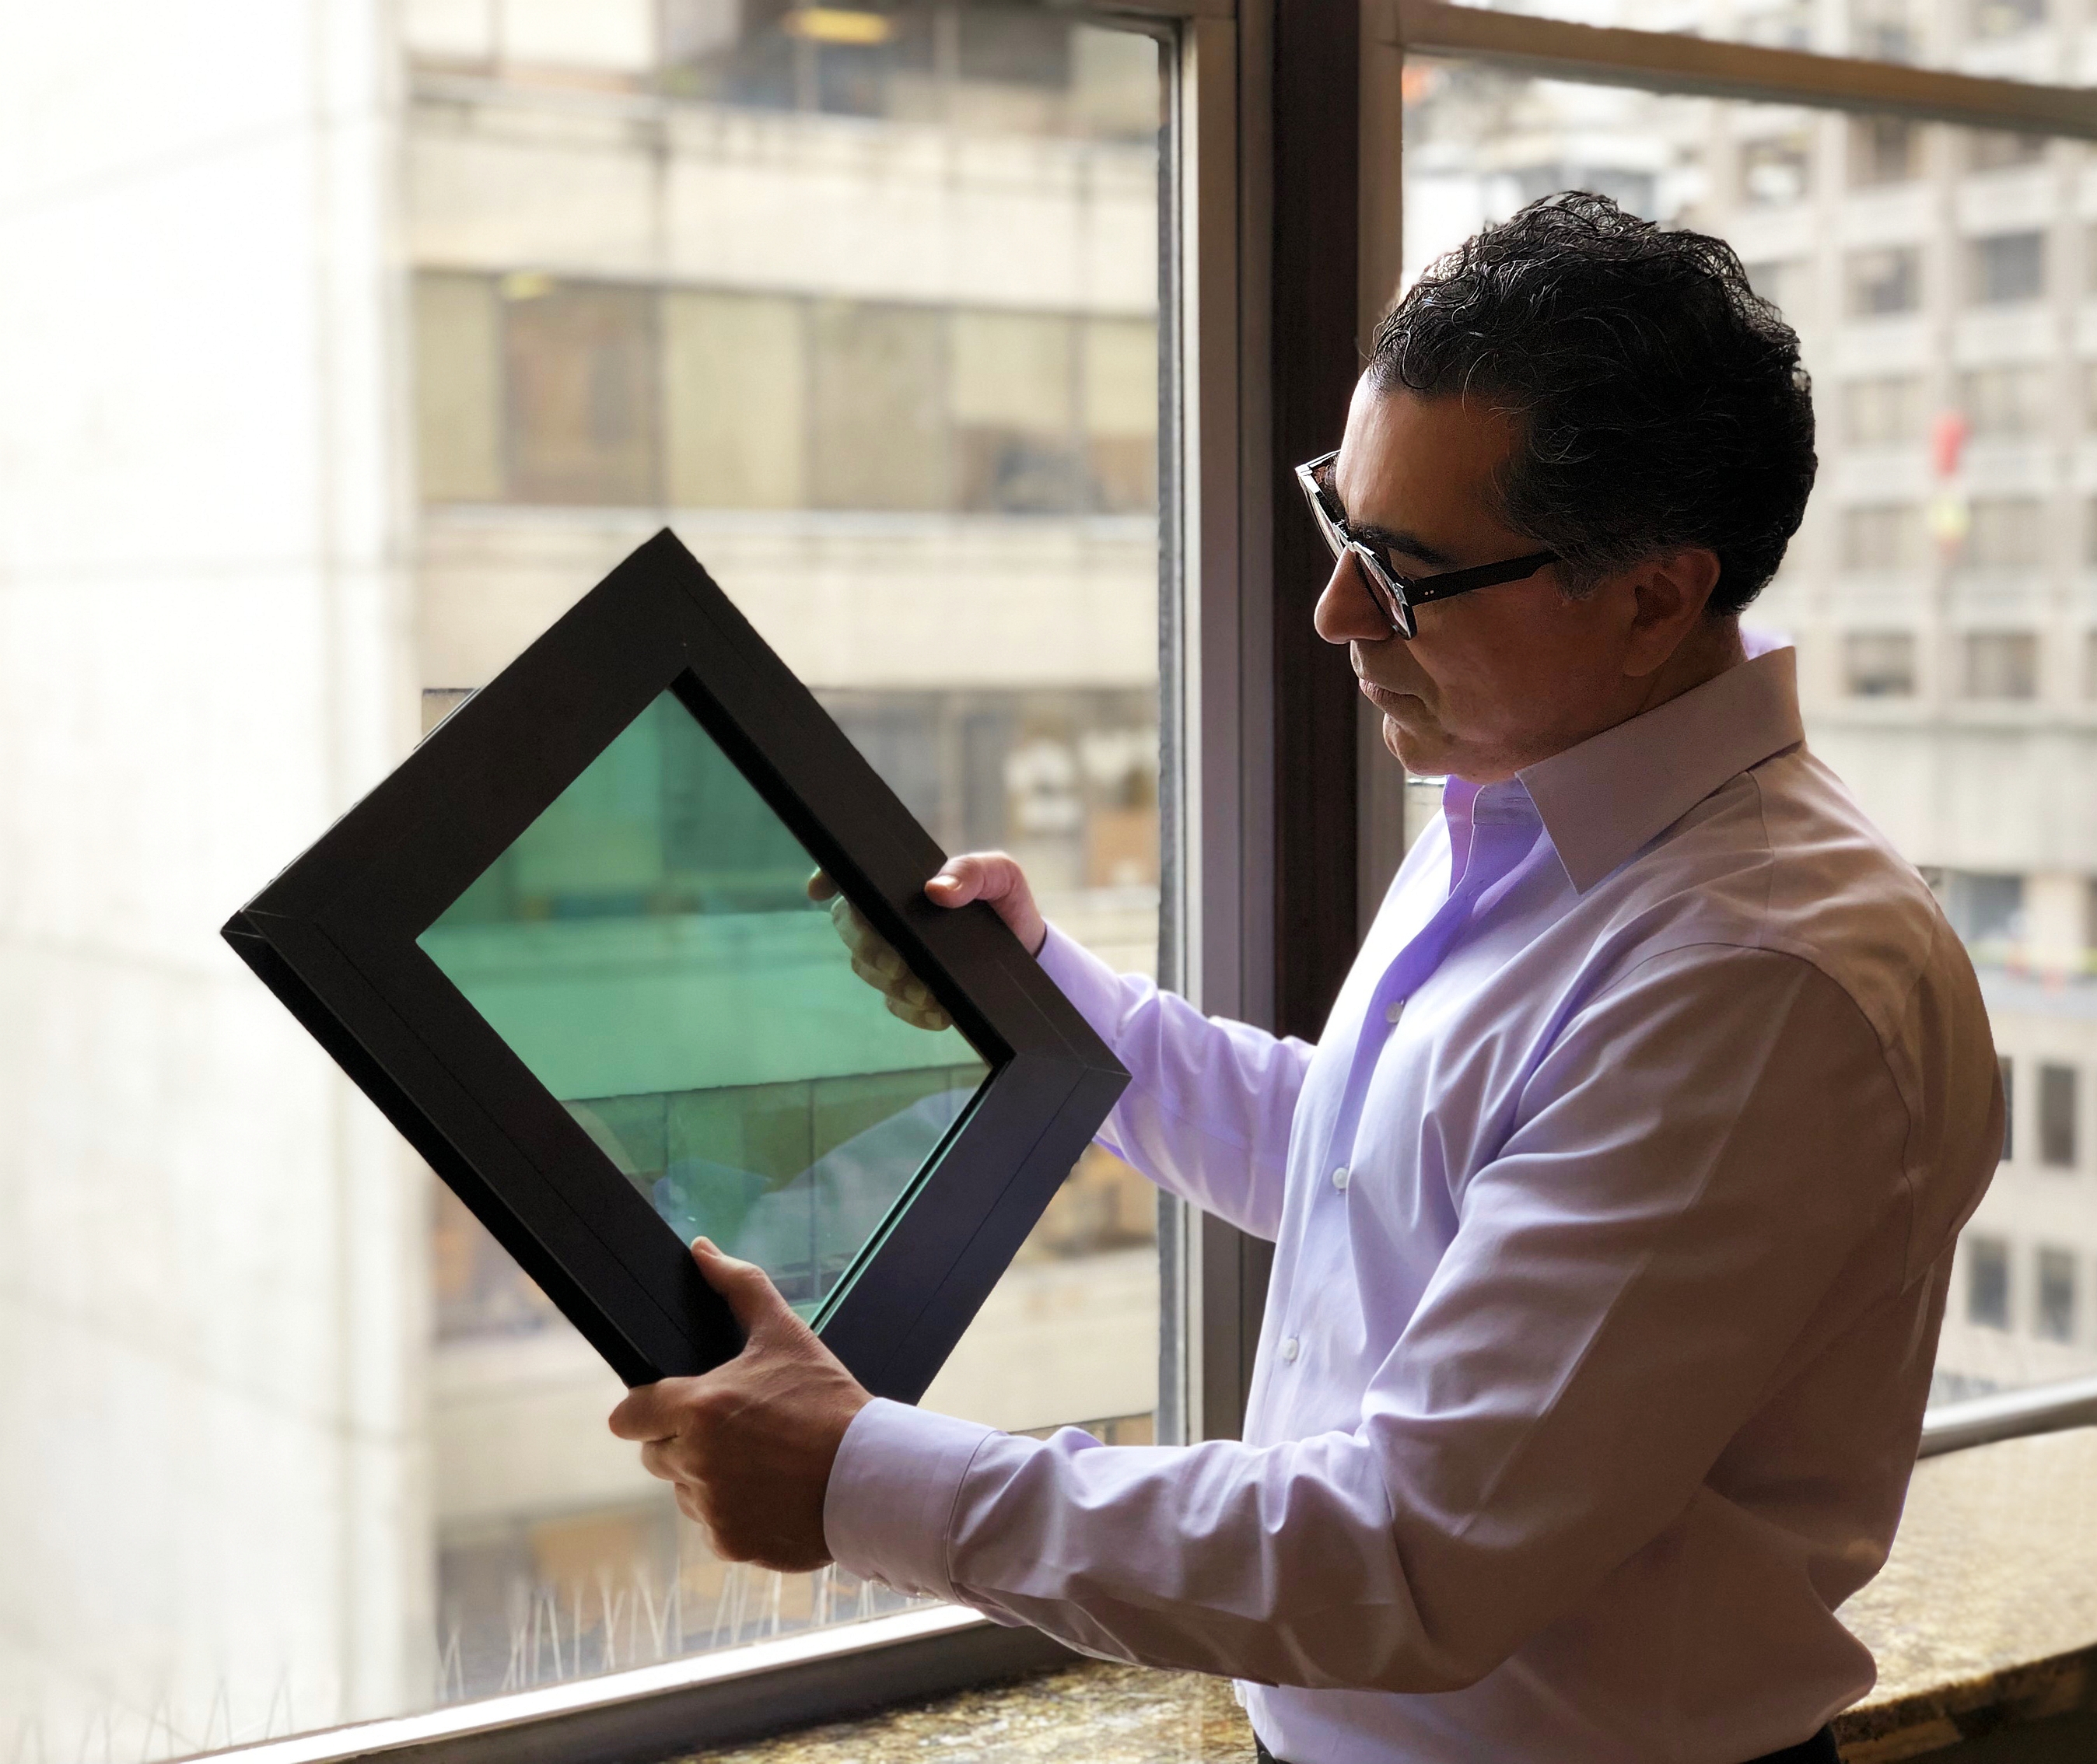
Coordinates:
[335,937]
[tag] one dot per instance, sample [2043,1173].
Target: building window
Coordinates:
[2006,532]
[1065,778]
[1994,149]
[1882,411]
[736,401]
[1777,168]
[2005,268]
[1884,150]
[2006,1068]
[1885,281]
[2005,18]
[1885,30]
[2005,403]
[877,372]
[1882,536]
[2054,1320]
[1785,25]
[714,399]
[580,372]
[2000,665]
[1988,1282]
[2056,1116]
[1984,908]
[1786,284]
[1878,664]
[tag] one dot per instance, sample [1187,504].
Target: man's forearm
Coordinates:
[1206,1115]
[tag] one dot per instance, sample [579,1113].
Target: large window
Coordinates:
[349,351]
[864,302]
[1934,589]
[876,329]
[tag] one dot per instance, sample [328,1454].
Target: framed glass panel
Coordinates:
[571,948]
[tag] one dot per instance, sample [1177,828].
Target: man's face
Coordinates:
[1498,678]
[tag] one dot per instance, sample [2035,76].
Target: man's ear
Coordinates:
[1672,592]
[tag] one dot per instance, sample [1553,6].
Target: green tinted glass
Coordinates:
[649,949]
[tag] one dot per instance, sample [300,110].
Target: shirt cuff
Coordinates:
[892,1494]
[1088,981]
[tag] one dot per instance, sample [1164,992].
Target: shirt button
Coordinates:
[1290,1348]
[1342,1177]
[1393,1010]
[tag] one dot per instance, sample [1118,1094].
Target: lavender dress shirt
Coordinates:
[1614,1212]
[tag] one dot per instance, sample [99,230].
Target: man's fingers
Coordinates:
[659,1458]
[865,944]
[883,976]
[690,1506]
[995,879]
[959,880]
[918,1016]
[874,960]
[650,1413]
[747,1288]
[821,887]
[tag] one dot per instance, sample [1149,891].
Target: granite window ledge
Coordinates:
[1983,1623]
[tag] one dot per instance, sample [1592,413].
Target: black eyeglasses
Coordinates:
[1395,594]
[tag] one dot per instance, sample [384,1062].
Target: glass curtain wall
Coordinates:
[1942,591]
[863,301]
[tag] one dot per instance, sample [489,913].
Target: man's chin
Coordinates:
[1417,748]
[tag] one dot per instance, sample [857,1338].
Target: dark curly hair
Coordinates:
[1659,400]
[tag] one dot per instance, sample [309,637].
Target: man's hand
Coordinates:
[997,881]
[990,877]
[748,1446]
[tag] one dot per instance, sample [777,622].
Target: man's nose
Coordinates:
[1346,613]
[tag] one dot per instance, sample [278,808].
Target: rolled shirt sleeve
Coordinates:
[1207,1111]
[1704,1181]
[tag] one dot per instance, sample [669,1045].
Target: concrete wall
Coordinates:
[210,1268]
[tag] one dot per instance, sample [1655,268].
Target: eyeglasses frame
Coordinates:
[1395,594]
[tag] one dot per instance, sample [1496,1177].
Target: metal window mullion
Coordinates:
[1225,703]
[1664,62]
[1379,832]
[695,1704]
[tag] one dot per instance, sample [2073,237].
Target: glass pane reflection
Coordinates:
[649,949]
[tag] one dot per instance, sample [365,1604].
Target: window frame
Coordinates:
[1244,152]
[1217,888]
[335,935]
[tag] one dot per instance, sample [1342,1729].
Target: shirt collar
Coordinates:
[1605,798]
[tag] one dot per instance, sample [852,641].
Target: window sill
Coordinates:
[1985,1618]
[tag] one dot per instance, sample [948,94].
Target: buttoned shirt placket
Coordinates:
[1496,836]
[1495,833]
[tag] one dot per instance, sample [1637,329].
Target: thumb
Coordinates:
[757,1304]
[959,880]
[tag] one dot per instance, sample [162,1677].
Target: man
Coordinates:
[1614,1209]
